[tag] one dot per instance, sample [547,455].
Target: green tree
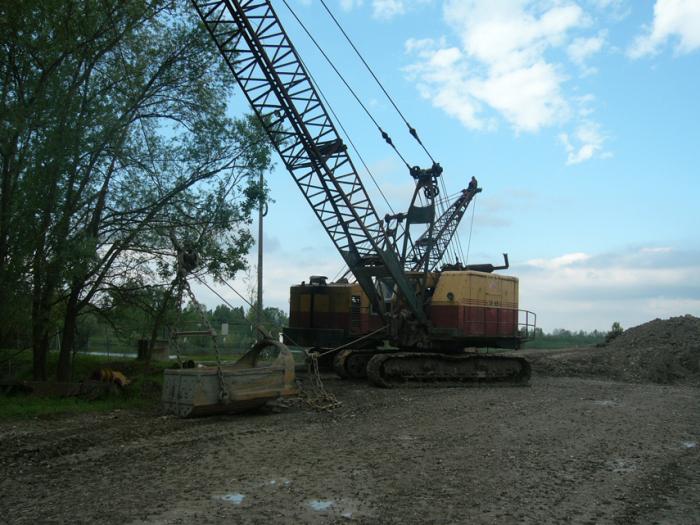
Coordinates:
[137,311]
[114,138]
[615,331]
[223,314]
[273,319]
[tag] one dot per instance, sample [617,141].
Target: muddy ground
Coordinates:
[563,450]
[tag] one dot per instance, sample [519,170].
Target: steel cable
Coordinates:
[347,136]
[383,133]
[411,129]
[471,227]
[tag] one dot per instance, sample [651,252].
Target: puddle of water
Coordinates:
[606,403]
[235,497]
[276,482]
[689,444]
[621,465]
[321,504]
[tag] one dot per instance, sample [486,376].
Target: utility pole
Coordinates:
[261,214]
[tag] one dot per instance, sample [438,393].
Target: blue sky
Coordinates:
[579,119]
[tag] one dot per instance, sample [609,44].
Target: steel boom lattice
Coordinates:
[270,73]
[433,247]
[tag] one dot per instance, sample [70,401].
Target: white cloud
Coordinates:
[605,4]
[632,286]
[613,9]
[388,8]
[536,103]
[504,62]
[511,34]
[442,75]
[502,68]
[561,261]
[583,103]
[384,9]
[528,96]
[657,249]
[349,5]
[581,49]
[586,142]
[673,19]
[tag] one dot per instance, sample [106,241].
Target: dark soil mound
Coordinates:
[661,351]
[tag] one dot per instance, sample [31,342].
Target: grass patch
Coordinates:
[27,406]
[143,392]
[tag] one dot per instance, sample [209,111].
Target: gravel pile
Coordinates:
[660,351]
[665,351]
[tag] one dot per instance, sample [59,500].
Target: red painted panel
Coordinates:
[508,323]
[491,321]
[476,321]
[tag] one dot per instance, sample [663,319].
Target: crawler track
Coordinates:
[417,368]
[352,363]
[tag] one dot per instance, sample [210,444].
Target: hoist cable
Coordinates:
[458,244]
[383,133]
[471,227]
[339,273]
[347,135]
[411,129]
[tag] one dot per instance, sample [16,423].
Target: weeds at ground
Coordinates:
[143,391]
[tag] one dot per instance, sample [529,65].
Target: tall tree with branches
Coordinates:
[114,137]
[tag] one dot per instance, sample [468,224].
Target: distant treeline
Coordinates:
[562,338]
[121,331]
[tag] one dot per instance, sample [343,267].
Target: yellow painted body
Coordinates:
[468,288]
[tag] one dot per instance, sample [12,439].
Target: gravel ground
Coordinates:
[563,450]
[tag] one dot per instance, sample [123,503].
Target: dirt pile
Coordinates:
[661,351]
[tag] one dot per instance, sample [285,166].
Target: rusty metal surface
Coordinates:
[249,383]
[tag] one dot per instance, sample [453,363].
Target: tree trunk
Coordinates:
[70,326]
[158,321]
[40,335]
[40,354]
[40,325]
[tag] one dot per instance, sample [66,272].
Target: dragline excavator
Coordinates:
[399,317]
